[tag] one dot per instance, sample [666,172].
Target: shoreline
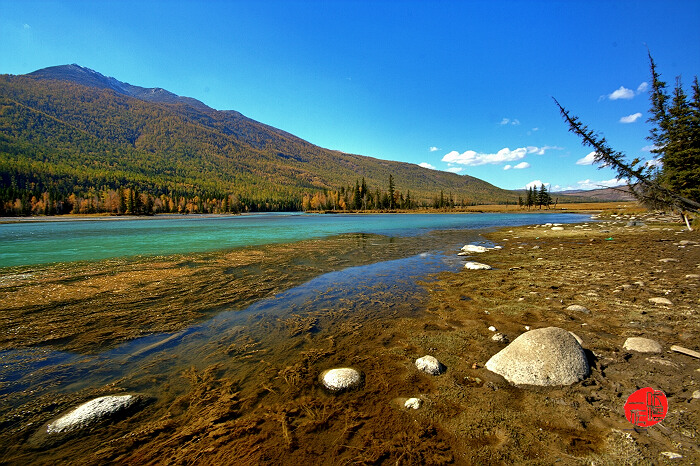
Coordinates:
[626,206]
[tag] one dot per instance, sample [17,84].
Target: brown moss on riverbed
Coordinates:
[87,307]
[255,398]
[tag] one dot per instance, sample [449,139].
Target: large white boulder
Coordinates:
[546,356]
[91,412]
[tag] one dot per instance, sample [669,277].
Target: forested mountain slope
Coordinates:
[70,130]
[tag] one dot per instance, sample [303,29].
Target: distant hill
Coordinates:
[71,130]
[620,193]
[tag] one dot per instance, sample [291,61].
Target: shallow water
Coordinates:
[41,242]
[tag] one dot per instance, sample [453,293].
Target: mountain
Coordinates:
[620,193]
[71,130]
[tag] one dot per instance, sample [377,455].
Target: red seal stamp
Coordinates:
[646,407]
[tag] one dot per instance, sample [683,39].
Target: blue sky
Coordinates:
[463,86]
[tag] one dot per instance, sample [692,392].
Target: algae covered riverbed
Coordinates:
[243,388]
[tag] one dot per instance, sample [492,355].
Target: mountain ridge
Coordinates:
[69,124]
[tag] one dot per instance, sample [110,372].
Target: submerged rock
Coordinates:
[642,345]
[430,365]
[92,412]
[476,266]
[342,378]
[413,403]
[544,357]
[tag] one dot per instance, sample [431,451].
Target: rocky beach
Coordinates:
[580,316]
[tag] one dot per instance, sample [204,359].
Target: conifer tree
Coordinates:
[391,191]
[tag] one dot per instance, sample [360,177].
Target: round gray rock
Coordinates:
[430,365]
[544,357]
[642,345]
[342,378]
[578,308]
[91,412]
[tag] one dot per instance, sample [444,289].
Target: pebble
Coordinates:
[578,308]
[557,228]
[659,300]
[692,275]
[500,338]
[668,259]
[476,266]
[671,455]
[696,394]
[492,328]
[413,403]
[642,345]
[343,378]
[430,365]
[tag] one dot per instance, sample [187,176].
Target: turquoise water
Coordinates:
[42,242]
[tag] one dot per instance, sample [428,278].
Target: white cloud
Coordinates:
[472,158]
[26,26]
[426,165]
[654,163]
[622,93]
[455,169]
[631,118]
[535,184]
[521,166]
[433,149]
[642,87]
[587,160]
[508,121]
[508,167]
[590,184]
[650,148]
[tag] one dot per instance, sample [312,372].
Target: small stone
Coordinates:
[492,328]
[692,275]
[474,248]
[500,338]
[557,228]
[696,394]
[578,308]
[642,345]
[343,378]
[430,365]
[413,403]
[659,300]
[476,266]
[668,259]
[671,455]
